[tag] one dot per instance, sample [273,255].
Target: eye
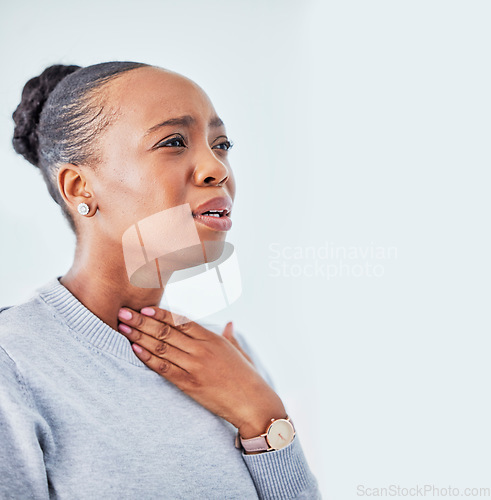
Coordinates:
[173,142]
[226,145]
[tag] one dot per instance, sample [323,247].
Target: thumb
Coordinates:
[228,333]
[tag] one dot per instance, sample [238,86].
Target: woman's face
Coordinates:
[147,167]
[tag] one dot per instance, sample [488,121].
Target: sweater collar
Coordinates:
[85,323]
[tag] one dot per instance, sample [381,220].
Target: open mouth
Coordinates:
[216,213]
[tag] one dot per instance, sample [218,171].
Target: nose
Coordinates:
[209,170]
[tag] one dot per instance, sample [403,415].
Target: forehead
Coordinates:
[146,96]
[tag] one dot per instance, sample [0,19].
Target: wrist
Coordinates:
[259,419]
[258,404]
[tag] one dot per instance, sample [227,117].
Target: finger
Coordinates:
[163,367]
[228,333]
[160,348]
[178,322]
[157,329]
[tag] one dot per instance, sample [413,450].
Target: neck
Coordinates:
[98,279]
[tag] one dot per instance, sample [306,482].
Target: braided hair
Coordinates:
[61,115]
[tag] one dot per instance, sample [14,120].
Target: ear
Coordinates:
[74,187]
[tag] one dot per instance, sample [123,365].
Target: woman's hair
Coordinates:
[60,117]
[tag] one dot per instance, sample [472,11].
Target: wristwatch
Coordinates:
[280,433]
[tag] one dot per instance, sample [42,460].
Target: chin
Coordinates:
[208,251]
[213,249]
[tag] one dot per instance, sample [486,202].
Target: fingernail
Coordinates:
[124,328]
[148,311]
[137,348]
[125,314]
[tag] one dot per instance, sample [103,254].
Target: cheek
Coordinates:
[127,195]
[164,188]
[231,184]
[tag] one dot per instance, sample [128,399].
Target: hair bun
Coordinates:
[26,116]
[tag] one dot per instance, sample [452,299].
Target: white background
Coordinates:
[356,124]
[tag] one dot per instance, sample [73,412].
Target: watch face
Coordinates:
[280,434]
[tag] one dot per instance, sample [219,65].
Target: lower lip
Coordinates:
[217,223]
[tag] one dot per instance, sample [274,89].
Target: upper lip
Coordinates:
[222,203]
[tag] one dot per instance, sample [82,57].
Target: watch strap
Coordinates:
[258,443]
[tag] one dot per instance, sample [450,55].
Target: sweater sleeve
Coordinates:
[281,474]
[22,470]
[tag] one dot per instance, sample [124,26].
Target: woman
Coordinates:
[102,393]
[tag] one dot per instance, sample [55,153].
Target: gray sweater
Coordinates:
[81,417]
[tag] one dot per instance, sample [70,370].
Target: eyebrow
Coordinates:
[183,121]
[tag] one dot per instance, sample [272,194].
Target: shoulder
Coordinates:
[22,315]
[22,324]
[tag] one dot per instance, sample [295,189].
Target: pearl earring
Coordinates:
[83,208]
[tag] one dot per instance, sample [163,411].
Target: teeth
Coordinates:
[214,213]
